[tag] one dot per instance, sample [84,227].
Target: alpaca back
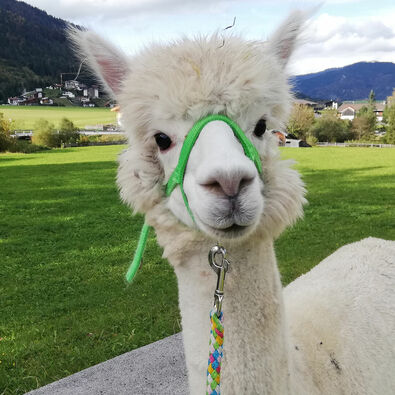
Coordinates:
[341,316]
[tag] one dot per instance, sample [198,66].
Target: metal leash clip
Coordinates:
[220,268]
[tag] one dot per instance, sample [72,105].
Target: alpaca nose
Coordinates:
[228,183]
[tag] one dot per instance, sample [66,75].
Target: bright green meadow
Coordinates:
[66,242]
[24,117]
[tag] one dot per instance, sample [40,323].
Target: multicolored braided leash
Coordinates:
[216,353]
[217,321]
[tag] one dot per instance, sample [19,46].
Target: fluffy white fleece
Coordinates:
[332,330]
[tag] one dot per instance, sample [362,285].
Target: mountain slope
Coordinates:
[33,48]
[351,82]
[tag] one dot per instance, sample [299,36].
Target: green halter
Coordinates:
[177,177]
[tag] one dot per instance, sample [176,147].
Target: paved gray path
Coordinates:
[158,368]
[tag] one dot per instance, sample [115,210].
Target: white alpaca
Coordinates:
[329,332]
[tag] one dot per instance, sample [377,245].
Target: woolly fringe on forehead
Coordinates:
[189,79]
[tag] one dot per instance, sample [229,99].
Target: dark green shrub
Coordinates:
[5,133]
[300,121]
[331,128]
[25,147]
[68,133]
[44,134]
[105,138]
[84,140]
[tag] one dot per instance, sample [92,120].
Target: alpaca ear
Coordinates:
[284,40]
[105,61]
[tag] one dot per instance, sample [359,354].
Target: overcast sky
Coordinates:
[342,31]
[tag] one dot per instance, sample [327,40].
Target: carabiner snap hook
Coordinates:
[221,269]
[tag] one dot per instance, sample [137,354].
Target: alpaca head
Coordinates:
[164,90]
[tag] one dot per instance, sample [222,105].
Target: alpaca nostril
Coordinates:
[228,186]
[245,183]
[214,187]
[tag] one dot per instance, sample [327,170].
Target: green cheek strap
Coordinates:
[177,177]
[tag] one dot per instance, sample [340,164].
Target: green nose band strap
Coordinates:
[177,177]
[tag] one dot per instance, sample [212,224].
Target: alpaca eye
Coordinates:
[260,128]
[163,141]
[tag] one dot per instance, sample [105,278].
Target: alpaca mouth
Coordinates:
[233,231]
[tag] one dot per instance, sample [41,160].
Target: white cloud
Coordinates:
[332,41]
[78,10]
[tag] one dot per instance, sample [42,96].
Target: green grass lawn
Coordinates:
[351,196]
[66,242]
[25,117]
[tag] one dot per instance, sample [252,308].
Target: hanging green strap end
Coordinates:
[134,266]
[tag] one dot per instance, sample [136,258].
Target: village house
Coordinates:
[71,84]
[16,101]
[348,110]
[27,98]
[318,106]
[92,92]
[46,101]
[69,95]
[74,85]
[307,103]
[36,97]
[332,104]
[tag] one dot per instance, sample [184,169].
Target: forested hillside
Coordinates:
[33,48]
[353,82]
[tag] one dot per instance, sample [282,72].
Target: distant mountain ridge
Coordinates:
[33,48]
[353,82]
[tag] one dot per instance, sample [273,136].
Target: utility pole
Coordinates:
[78,72]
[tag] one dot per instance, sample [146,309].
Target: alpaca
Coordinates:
[328,332]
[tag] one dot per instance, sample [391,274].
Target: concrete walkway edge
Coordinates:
[158,368]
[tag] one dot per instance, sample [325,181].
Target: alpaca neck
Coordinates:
[256,345]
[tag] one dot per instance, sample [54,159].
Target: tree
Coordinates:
[391,99]
[300,121]
[45,134]
[364,124]
[68,132]
[331,128]
[389,137]
[372,98]
[5,133]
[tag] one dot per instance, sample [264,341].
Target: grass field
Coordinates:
[25,117]
[66,242]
